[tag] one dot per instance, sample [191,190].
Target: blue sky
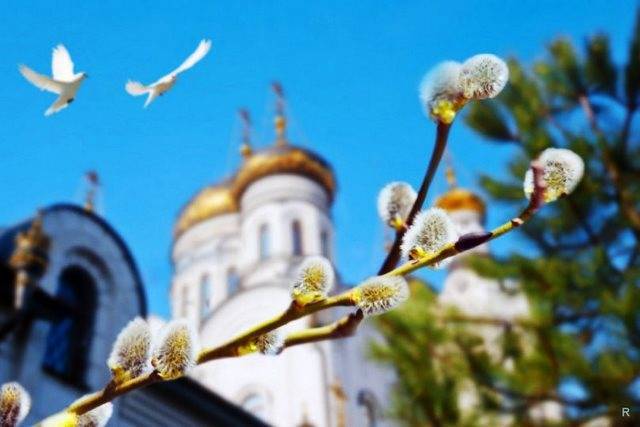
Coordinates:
[350,71]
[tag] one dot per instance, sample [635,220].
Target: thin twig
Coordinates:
[442,134]
[345,326]
[293,312]
[472,240]
[342,328]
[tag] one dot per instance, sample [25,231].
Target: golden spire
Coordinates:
[450,173]
[280,121]
[30,257]
[456,198]
[245,148]
[93,182]
[341,398]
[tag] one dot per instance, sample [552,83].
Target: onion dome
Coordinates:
[211,201]
[459,199]
[283,159]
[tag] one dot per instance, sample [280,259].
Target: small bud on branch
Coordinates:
[395,201]
[15,404]
[380,294]
[131,351]
[176,350]
[314,280]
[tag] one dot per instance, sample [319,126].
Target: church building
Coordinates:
[68,284]
[238,244]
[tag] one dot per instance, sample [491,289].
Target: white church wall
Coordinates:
[280,388]
[275,202]
[204,256]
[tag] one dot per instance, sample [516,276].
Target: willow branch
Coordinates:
[342,328]
[471,240]
[442,133]
[110,392]
[293,312]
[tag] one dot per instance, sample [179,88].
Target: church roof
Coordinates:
[457,199]
[280,158]
[218,199]
[8,235]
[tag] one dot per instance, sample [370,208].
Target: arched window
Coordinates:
[205,295]
[69,340]
[233,282]
[324,243]
[264,242]
[296,237]
[368,400]
[256,404]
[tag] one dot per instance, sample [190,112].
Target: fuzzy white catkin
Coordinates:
[270,343]
[175,350]
[380,294]
[441,83]
[15,404]
[315,279]
[395,201]
[431,230]
[562,171]
[97,417]
[131,351]
[483,76]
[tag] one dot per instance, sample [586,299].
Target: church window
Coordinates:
[205,295]
[324,243]
[233,282]
[264,242]
[69,339]
[296,237]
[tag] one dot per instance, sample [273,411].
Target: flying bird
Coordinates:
[162,85]
[63,82]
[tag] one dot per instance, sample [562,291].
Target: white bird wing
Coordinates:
[59,104]
[40,81]
[203,48]
[136,88]
[61,64]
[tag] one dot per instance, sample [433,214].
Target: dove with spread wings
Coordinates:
[165,83]
[63,81]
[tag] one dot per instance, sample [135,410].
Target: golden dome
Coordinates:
[284,159]
[458,199]
[223,198]
[209,202]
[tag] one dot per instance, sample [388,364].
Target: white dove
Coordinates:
[165,83]
[63,81]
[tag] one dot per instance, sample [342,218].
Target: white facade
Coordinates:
[282,218]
